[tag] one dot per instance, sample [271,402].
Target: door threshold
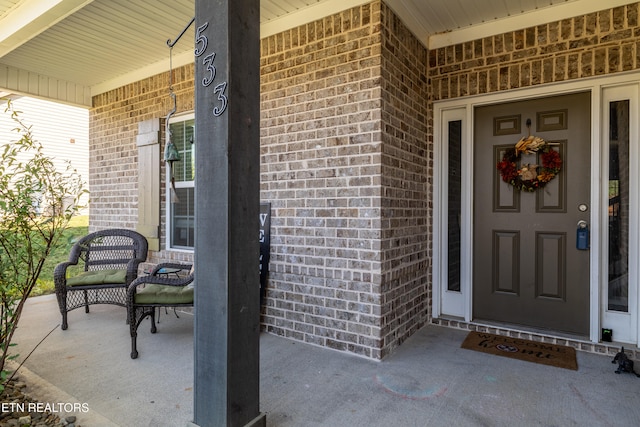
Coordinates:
[533,330]
[579,342]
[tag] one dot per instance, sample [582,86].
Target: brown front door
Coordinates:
[527,269]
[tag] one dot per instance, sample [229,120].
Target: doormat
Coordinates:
[516,348]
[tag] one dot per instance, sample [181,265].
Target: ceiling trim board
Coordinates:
[31,17]
[522,21]
[307,15]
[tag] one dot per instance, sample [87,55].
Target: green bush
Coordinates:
[37,201]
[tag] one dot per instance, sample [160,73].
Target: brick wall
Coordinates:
[345,161]
[321,161]
[590,45]
[113,154]
[406,186]
[346,156]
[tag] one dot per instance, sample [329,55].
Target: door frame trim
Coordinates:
[615,320]
[464,108]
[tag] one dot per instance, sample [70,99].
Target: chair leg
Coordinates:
[133,329]
[134,350]
[134,322]
[62,303]
[152,316]
[86,302]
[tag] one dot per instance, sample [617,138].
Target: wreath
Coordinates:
[530,177]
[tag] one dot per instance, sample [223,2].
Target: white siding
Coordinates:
[55,126]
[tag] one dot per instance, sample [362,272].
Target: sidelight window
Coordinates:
[618,261]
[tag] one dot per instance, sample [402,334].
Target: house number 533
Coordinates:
[202,42]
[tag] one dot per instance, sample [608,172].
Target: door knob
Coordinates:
[582,236]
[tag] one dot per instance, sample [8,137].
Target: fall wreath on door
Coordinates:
[530,177]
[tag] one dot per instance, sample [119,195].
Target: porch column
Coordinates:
[227,307]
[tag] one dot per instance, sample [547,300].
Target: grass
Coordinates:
[78,227]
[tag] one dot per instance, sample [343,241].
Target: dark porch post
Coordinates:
[227,307]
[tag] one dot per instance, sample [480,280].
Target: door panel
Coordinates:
[526,268]
[551,265]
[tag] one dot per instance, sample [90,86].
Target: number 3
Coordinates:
[219,89]
[208,62]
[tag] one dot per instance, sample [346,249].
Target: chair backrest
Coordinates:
[110,249]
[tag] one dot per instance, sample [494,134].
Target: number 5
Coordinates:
[201,38]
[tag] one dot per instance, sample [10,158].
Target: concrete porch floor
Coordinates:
[428,381]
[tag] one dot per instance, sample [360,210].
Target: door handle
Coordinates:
[582,235]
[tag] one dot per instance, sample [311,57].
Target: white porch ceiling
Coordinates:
[70,50]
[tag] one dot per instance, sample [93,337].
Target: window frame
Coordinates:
[179,185]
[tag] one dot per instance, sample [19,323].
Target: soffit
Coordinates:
[103,44]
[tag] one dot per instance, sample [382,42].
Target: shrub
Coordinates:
[36,203]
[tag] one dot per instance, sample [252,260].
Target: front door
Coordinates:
[527,267]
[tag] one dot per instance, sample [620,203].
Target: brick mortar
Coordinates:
[338,162]
[113,153]
[347,155]
[320,137]
[595,44]
[344,143]
[405,240]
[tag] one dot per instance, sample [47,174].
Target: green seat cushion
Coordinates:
[98,277]
[164,294]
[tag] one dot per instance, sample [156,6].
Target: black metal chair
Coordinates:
[163,287]
[101,266]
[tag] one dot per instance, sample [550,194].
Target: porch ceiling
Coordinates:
[71,50]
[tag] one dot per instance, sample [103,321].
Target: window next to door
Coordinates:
[181,218]
[618,293]
[455,204]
